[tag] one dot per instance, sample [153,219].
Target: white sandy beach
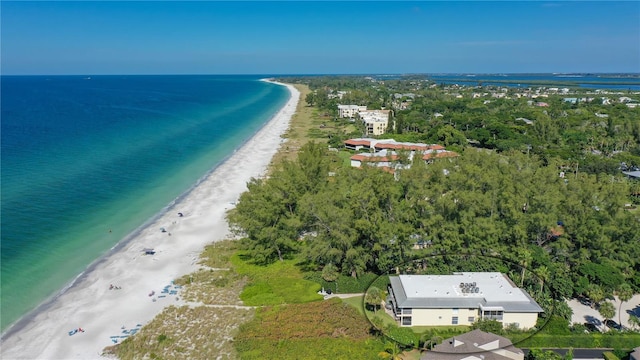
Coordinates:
[102,313]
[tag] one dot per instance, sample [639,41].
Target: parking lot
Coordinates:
[583,313]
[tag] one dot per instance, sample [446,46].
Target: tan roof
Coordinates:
[441,154]
[358,142]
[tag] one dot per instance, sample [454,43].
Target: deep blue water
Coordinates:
[587,81]
[87,161]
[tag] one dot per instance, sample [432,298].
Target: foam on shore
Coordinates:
[102,312]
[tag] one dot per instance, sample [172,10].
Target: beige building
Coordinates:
[376,121]
[460,299]
[350,111]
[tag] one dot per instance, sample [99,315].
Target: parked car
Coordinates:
[612,325]
[591,327]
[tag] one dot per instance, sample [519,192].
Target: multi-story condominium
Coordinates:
[460,299]
[376,121]
[350,111]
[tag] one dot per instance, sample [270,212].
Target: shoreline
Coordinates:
[87,302]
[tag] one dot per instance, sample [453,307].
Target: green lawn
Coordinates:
[356,302]
[277,283]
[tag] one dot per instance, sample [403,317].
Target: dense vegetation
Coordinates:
[590,135]
[573,230]
[544,202]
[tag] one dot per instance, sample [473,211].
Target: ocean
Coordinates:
[88,161]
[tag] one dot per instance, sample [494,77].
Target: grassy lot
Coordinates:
[320,330]
[277,283]
[356,302]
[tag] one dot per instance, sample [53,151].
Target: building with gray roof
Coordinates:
[475,345]
[460,299]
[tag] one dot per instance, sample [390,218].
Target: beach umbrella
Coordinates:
[163,229]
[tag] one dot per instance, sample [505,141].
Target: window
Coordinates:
[406,320]
[406,311]
[495,315]
[472,319]
[454,320]
[455,311]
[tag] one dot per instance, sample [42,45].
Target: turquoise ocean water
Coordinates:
[87,161]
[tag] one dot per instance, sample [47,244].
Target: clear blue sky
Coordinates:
[159,37]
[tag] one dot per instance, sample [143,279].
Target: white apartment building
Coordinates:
[460,299]
[350,111]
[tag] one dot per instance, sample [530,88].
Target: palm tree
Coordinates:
[595,293]
[544,274]
[330,274]
[431,340]
[625,293]
[634,321]
[391,351]
[607,310]
[373,297]
[525,257]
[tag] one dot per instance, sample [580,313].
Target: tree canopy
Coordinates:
[568,232]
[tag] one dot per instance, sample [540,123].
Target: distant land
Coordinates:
[614,81]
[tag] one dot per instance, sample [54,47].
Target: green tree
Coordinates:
[265,216]
[524,257]
[429,340]
[595,293]
[568,355]
[448,135]
[539,354]
[373,297]
[607,310]
[543,275]
[310,99]
[634,321]
[391,351]
[625,293]
[488,325]
[330,274]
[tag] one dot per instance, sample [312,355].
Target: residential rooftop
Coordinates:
[485,290]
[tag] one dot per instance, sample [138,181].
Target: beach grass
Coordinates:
[215,282]
[307,124]
[319,330]
[186,333]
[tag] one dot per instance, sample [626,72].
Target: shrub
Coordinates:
[608,355]
[403,335]
[348,284]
